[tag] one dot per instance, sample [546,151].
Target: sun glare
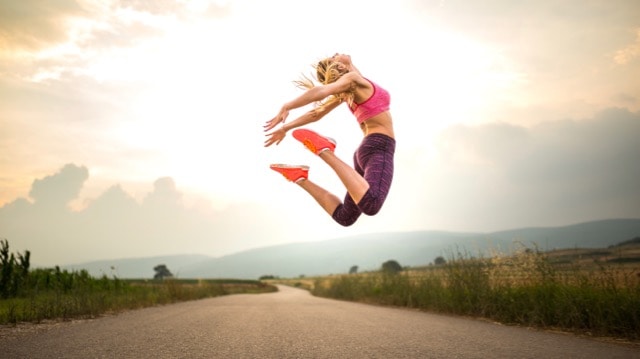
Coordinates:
[194,82]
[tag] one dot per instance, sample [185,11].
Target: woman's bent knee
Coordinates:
[343,217]
[370,204]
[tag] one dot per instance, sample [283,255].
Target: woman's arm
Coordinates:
[343,84]
[311,116]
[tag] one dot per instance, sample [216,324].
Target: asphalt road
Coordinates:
[292,324]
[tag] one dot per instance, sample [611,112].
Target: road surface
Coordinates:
[292,324]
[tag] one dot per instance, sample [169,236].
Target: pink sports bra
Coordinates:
[374,105]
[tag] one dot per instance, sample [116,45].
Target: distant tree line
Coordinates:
[268,276]
[391,266]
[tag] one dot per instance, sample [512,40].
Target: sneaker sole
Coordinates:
[281,165]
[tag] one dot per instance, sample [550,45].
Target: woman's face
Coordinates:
[341,58]
[339,63]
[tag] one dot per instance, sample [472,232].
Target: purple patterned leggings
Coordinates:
[374,161]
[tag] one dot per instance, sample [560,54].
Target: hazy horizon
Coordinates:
[135,129]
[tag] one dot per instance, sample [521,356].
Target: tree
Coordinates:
[391,266]
[162,272]
[353,270]
[439,261]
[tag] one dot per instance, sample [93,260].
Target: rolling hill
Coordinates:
[369,251]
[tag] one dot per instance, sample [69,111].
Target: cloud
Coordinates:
[33,24]
[557,48]
[60,40]
[556,172]
[628,53]
[164,194]
[178,7]
[115,225]
[113,198]
[36,24]
[59,189]
[602,151]
[159,7]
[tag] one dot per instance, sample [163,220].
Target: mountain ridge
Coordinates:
[368,251]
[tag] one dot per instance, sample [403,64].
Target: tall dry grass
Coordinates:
[524,289]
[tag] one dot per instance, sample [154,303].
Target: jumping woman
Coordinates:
[368,182]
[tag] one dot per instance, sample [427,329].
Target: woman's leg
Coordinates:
[367,183]
[344,213]
[322,146]
[374,160]
[353,181]
[327,200]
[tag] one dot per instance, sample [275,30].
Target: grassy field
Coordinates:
[35,295]
[589,291]
[96,297]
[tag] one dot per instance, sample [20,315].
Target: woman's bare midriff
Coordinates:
[380,123]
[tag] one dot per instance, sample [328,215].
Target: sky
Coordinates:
[133,128]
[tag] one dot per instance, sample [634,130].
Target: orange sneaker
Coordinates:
[314,141]
[293,173]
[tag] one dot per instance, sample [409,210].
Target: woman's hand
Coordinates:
[278,135]
[280,118]
[275,137]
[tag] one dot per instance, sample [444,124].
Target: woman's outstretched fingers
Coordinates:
[271,123]
[280,117]
[275,137]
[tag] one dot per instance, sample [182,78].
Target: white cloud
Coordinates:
[630,52]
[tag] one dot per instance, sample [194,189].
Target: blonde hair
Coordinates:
[327,71]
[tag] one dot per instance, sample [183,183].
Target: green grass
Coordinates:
[526,289]
[35,295]
[99,296]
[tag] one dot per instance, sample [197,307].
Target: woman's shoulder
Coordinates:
[356,78]
[351,82]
